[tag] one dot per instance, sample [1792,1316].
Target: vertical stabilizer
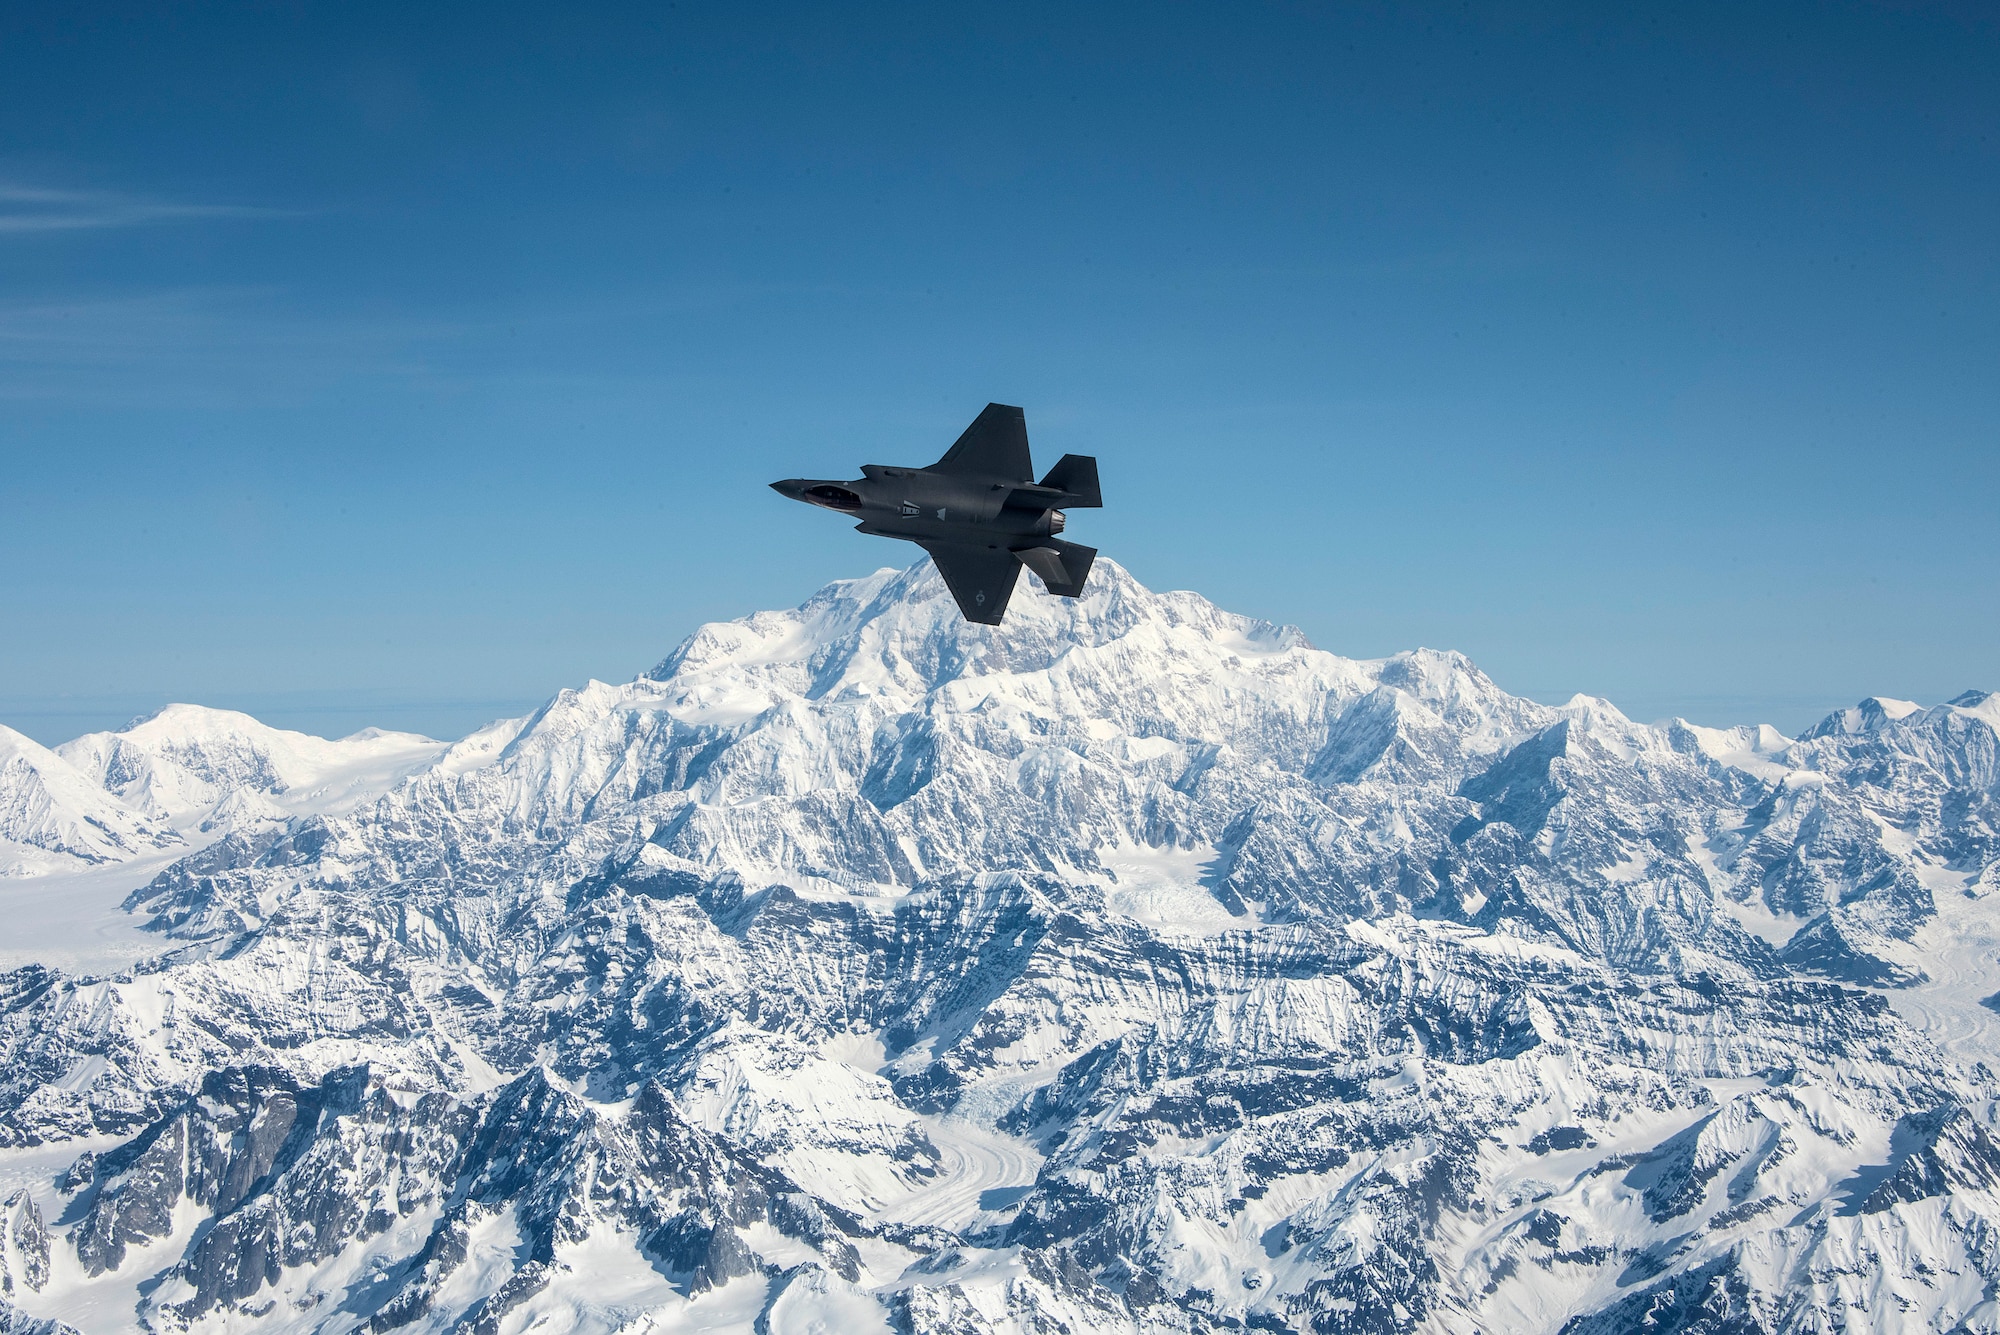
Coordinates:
[1076,475]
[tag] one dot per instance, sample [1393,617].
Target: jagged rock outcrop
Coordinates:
[13,1321]
[24,1246]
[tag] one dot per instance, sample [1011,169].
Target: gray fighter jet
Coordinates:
[978,511]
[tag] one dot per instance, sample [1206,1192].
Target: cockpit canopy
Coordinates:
[832,497]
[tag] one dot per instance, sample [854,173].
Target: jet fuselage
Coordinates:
[918,505]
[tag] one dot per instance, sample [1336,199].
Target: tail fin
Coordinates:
[1076,474]
[1063,566]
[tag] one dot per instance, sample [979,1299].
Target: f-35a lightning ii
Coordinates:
[978,511]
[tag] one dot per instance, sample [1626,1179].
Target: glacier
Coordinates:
[1134,966]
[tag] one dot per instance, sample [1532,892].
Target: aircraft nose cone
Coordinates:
[791,488]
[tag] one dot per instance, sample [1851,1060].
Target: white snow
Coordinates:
[71,919]
[977,1162]
[1163,888]
[1754,750]
[1958,951]
[173,781]
[180,763]
[55,818]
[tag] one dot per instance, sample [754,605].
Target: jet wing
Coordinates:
[1062,566]
[995,445]
[981,578]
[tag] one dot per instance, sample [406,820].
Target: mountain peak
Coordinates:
[1871,715]
[182,763]
[904,625]
[53,816]
[1980,704]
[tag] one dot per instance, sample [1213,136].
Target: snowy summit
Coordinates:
[1131,966]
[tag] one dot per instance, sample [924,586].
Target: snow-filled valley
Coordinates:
[1134,966]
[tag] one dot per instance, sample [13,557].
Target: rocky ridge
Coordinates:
[1134,966]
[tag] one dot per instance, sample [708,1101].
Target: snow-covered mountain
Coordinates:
[217,770]
[54,818]
[179,778]
[1131,967]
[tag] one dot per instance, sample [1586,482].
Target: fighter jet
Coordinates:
[978,511]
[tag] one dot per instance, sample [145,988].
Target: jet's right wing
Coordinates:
[995,445]
[981,578]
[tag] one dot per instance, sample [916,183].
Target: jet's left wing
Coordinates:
[1062,566]
[981,578]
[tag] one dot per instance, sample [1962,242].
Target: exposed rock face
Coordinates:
[24,1246]
[294,1177]
[13,1321]
[1133,966]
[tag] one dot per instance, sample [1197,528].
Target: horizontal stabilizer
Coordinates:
[1075,475]
[980,578]
[995,445]
[1062,566]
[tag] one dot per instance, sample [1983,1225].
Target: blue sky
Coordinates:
[402,364]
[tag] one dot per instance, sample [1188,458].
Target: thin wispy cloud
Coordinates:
[206,346]
[29,209]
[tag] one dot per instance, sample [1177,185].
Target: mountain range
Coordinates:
[1133,966]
